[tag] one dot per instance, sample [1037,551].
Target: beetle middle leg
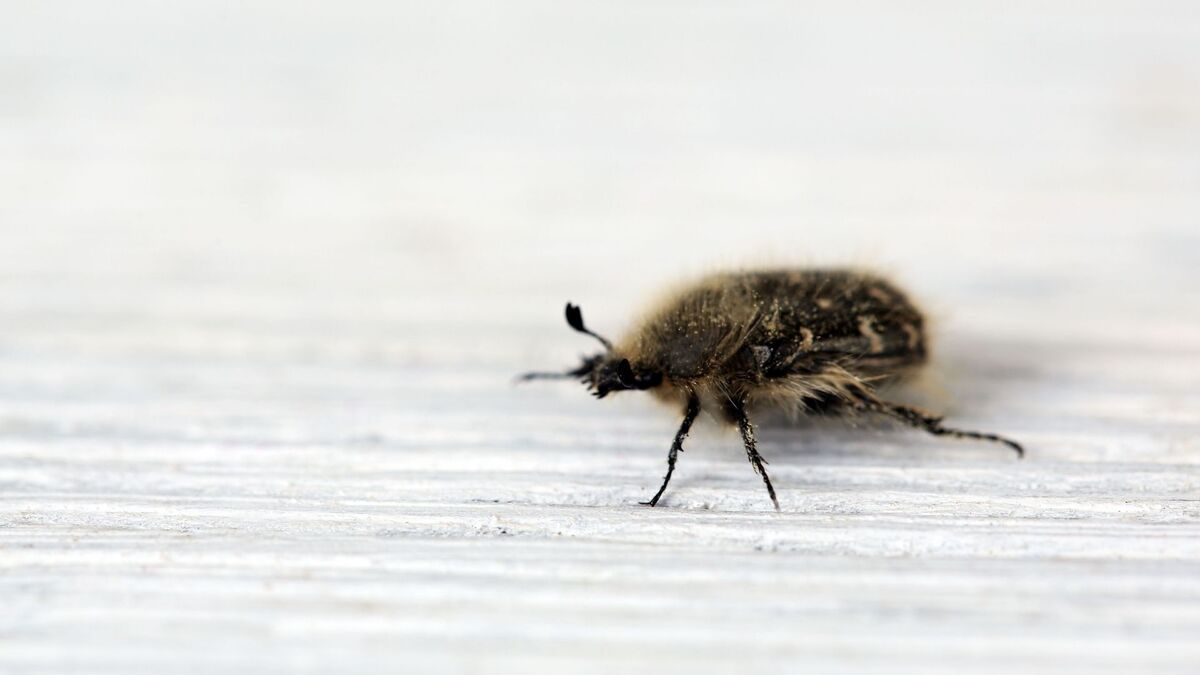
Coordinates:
[738,412]
[689,416]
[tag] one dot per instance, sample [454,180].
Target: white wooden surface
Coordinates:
[266,273]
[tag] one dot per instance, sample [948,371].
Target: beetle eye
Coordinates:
[625,374]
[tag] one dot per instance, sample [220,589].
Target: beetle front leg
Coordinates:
[689,416]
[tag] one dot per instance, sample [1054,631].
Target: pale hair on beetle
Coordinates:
[802,341]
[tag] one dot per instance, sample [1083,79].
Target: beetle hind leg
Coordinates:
[933,425]
[865,400]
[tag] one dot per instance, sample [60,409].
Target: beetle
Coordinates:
[804,341]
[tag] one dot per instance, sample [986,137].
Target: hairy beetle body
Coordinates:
[797,340]
[766,335]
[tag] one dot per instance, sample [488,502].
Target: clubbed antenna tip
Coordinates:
[575,320]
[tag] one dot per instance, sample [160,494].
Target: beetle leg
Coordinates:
[864,399]
[689,416]
[933,425]
[756,460]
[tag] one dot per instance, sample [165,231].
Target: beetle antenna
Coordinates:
[584,371]
[575,320]
[526,377]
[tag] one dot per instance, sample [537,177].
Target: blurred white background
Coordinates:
[265,270]
[468,161]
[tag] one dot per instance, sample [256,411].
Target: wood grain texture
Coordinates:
[266,275]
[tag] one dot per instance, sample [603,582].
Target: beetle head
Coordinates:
[605,372]
[613,374]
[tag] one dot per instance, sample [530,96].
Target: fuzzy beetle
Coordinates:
[804,341]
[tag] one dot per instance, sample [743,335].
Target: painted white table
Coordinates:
[265,277]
